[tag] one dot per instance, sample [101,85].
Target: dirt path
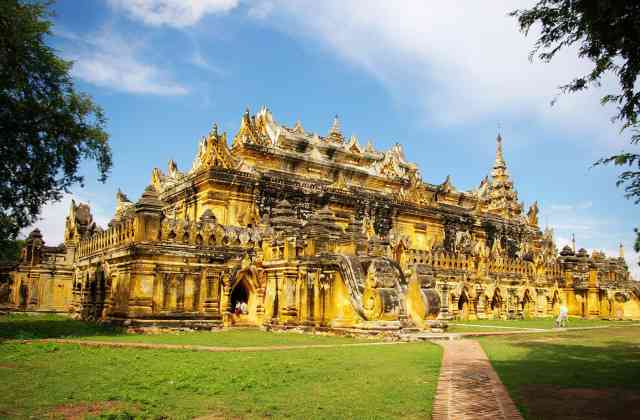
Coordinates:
[468,387]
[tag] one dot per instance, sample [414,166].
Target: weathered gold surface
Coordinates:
[317,232]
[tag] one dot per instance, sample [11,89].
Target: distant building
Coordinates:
[313,231]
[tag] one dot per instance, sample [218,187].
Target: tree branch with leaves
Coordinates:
[46,127]
[607,33]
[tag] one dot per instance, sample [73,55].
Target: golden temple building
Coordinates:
[284,228]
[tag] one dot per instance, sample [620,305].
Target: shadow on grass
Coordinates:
[28,327]
[570,381]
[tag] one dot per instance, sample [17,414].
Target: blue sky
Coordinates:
[438,78]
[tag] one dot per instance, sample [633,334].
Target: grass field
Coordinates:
[590,374]
[53,326]
[580,374]
[487,325]
[45,379]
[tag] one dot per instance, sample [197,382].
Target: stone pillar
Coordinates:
[165,290]
[481,305]
[290,283]
[317,299]
[308,285]
[157,303]
[180,292]
[211,292]
[173,292]
[444,303]
[196,281]
[225,298]
[275,313]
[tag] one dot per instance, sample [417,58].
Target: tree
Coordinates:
[606,32]
[46,127]
[10,251]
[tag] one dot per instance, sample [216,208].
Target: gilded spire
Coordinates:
[502,196]
[335,128]
[335,134]
[500,163]
[499,172]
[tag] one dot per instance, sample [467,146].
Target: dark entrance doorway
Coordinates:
[24,295]
[239,295]
[496,305]
[463,307]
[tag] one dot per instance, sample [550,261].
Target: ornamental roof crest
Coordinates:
[213,152]
[353,146]
[253,130]
[393,164]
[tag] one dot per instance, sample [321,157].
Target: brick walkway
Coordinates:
[468,387]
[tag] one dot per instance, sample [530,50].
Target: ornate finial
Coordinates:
[621,250]
[499,156]
[335,134]
[214,130]
[335,128]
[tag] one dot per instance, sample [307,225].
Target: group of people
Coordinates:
[241,308]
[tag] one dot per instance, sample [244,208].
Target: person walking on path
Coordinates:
[561,321]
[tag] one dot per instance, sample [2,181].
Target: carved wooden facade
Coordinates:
[318,232]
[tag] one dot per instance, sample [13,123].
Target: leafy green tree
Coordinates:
[46,127]
[606,32]
[10,251]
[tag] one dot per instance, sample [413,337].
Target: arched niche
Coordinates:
[244,289]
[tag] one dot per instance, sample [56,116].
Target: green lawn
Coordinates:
[355,382]
[53,326]
[487,325]
[43,379]
[232,338]
[589,374]
[25,327]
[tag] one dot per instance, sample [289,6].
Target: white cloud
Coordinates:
[459,61]
[261,9]
[199,60]
[560,208]
[108,60]
[176,13]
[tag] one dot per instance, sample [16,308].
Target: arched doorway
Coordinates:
[495,306]
[555,304]
[239,296]
[24,295]
[463,306]
[243,299]
[528,306]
